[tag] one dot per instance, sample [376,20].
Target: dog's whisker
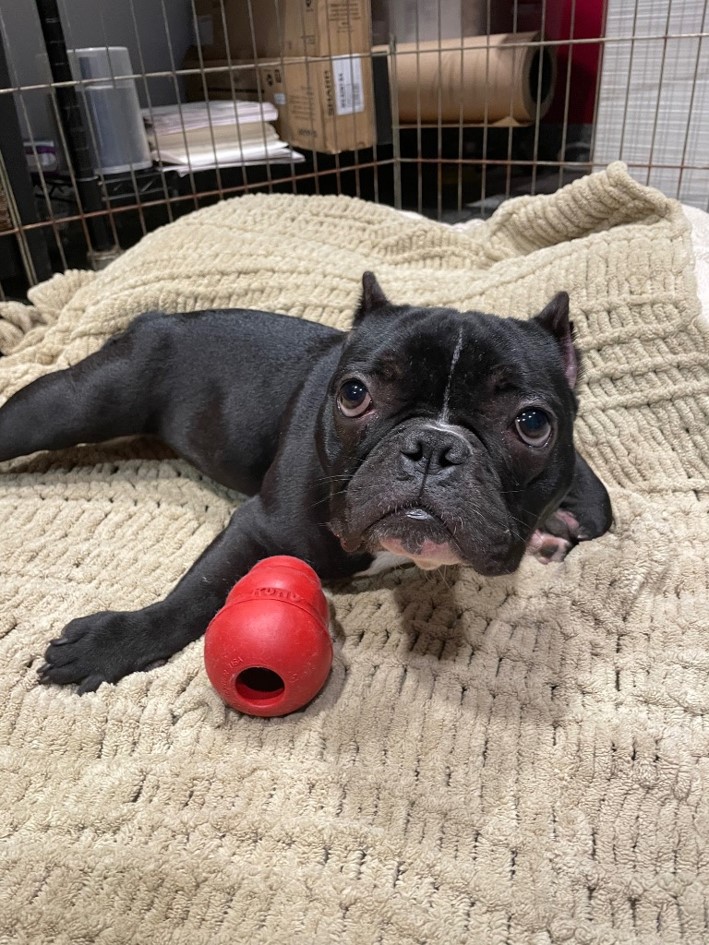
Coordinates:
[327,498]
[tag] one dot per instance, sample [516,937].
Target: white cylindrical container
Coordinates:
[116,134]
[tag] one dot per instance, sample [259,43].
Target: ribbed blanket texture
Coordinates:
[513,761]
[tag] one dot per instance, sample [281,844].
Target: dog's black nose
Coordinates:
[433,450]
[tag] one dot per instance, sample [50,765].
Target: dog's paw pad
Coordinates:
[547,548]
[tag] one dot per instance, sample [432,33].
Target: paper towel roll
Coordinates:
[476,78]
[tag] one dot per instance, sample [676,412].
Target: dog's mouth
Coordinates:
[416,532]
[429,538]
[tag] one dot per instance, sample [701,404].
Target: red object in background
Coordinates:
[585,58]
[583,76]
[268,650]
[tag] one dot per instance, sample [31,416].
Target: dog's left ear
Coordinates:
[372,297]
[555,319]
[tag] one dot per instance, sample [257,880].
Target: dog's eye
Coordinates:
[533,426]
[353,398]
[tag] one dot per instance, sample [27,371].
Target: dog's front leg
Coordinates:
[106,646]
[584,514]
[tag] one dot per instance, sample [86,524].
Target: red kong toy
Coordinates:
[268,650]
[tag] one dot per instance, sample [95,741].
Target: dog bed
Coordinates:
[519,760]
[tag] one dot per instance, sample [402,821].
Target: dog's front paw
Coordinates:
[555,538]
[102,647]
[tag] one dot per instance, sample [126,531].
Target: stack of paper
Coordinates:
[199,135]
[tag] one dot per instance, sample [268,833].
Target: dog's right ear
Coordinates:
[373,297]
[554,317]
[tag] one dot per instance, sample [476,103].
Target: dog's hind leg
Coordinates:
[104,396]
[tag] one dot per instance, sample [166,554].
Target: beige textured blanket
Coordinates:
[517,761]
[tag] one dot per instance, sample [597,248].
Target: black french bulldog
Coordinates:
[427,434]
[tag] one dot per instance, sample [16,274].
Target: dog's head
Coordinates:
[447,437]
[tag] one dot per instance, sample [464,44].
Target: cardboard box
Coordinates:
[267,28]
[323,105]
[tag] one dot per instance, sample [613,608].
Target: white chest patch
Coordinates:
[384,561]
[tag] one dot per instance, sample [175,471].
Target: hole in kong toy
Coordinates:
[259,685]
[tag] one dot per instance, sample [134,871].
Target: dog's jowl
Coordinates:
[434,436]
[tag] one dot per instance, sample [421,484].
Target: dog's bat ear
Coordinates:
[372,297]
[554,317]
